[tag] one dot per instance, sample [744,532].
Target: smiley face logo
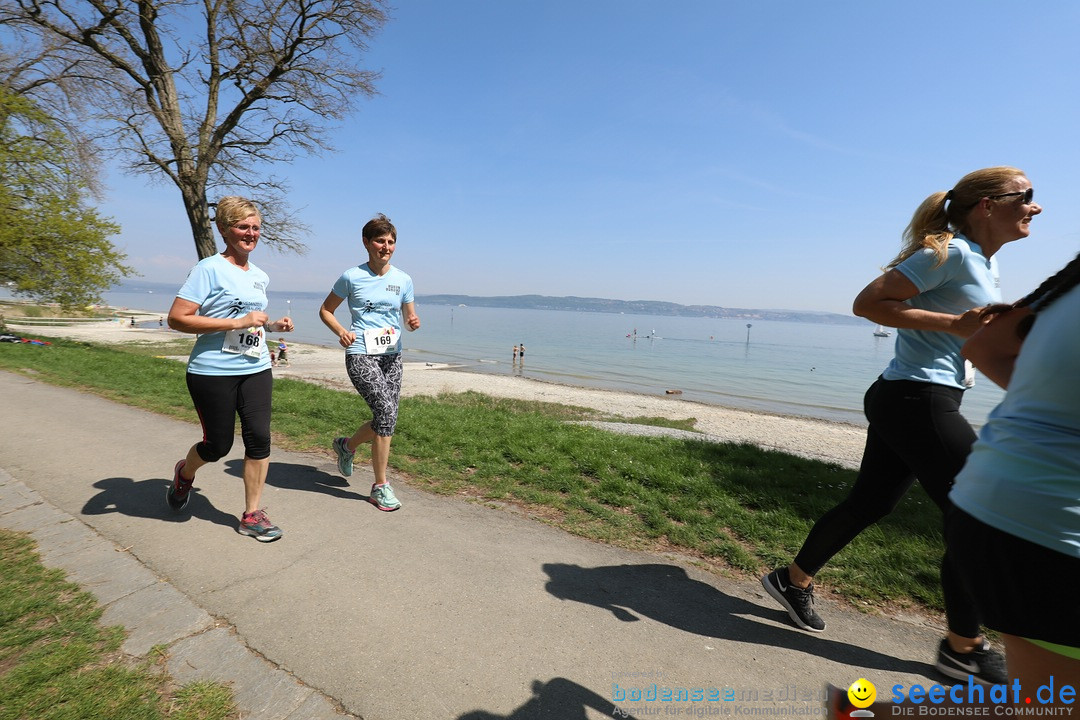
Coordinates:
[862,693]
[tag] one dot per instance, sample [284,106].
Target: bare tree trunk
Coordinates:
[198,212]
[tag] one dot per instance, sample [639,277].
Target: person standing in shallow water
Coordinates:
[933,293]
[223,302]
[379,296]
[283,353]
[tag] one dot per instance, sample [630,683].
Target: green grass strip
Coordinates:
[58,663]
[735,507]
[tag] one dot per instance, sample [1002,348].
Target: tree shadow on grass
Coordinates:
[667,594]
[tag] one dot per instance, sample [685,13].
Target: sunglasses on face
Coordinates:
[1027,195]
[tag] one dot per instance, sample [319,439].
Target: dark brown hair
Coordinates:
[377,227]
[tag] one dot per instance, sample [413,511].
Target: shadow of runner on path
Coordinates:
[557,698]
[293,476]
[146,499]
[667,594]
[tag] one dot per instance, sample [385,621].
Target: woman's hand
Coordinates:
[412,320]
[969,323]
[996,345]
[346,338]
[255,318]
[285,324]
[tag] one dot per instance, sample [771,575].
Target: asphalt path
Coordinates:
[447,608]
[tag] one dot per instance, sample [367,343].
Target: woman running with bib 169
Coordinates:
[378,295]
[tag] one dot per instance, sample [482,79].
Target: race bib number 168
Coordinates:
[246,341]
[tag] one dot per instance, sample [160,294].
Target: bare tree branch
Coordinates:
[208,112]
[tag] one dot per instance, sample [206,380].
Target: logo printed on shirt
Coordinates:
[240,307]
[370,306]
[396,289]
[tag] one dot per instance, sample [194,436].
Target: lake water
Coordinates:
[806,369]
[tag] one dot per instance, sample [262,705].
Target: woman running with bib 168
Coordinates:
[378,295]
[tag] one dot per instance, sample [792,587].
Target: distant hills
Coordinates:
[577,304]
[637,307]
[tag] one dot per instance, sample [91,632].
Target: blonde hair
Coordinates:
[944,214]
[231,209]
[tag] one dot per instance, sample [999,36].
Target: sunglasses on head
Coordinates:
[1026,194]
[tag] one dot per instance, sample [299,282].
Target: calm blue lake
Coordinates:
[806,369]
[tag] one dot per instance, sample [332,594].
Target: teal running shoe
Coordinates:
[344,457]
[382,497]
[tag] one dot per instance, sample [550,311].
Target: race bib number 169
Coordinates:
[377,341]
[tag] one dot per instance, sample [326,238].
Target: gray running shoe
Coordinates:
[798,602]
[983,665]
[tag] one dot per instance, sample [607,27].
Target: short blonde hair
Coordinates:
[232,209]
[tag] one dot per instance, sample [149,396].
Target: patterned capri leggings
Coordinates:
[378,380]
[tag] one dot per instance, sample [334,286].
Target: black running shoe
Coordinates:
[180,489]
[798,602]
[983,665]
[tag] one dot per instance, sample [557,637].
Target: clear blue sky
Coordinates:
[743,154]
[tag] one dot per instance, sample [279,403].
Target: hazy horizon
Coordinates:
[751,155]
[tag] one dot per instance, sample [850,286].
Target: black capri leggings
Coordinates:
[916,432]
[219,399]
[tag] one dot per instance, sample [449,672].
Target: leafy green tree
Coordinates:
[206,94]
[53,247]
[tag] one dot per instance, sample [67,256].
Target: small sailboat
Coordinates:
[882,332]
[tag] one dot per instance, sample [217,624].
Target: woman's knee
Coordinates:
[384,426]
[257,445]
[211,451]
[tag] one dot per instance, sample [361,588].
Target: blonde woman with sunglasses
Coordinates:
[933,293]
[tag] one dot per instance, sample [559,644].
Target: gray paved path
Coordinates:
[444,609]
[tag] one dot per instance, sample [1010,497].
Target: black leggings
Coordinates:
[1016,580]
[916,432]
[219,399]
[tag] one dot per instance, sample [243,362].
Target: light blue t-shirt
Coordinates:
[222,290]
[374,302]
[1023,474]
[966,280]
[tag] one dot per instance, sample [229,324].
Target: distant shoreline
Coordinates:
[826,440]
[572,303]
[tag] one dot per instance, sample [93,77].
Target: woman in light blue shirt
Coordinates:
[933,293]
[1014,532]
[223,302]
[379,295]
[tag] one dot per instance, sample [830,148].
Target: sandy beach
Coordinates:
[819,439]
